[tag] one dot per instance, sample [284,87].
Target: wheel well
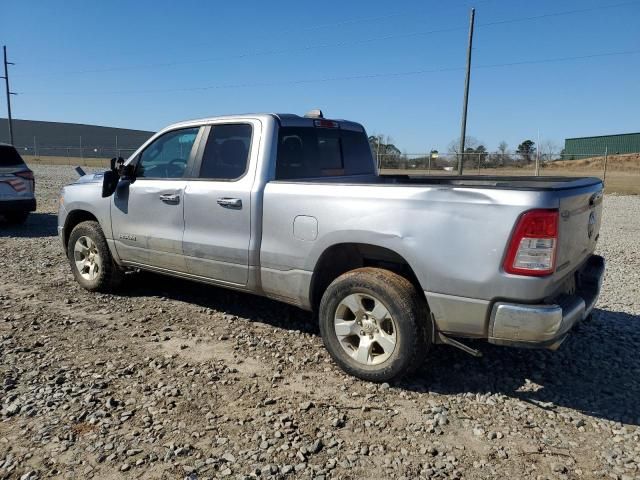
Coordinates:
[344,257]
[74,218]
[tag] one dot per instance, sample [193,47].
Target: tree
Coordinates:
[469,143]
[527,150]
[503,156]
[548,150]
[387,154]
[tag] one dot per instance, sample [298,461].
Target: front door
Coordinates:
[147,214]
[218,205]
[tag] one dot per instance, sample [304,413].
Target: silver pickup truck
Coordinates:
[293,208]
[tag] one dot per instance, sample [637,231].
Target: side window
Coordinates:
[226,153]
[168,155]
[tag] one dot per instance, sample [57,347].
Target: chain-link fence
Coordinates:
[620,172]
[85,155]
[96,156]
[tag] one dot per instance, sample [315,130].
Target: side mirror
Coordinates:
[127,172]
[109,183]
[111,177]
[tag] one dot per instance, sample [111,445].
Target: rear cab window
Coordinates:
[314,152]
[9,157]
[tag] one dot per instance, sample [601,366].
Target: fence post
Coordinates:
[606,158]
[479,155]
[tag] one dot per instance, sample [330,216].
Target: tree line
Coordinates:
[475,154]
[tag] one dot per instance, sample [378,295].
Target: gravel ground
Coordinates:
[171,379]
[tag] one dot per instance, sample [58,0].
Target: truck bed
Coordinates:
[509,183]
[527,183]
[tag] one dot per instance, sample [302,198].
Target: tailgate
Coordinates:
[580,216]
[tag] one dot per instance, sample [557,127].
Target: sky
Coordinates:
[397,67]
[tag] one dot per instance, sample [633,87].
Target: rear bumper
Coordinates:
[21,205]
[547,325]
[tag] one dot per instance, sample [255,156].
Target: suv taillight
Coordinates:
[28,175]
[533,245]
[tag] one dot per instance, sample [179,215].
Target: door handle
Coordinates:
[230,202]
[170,198]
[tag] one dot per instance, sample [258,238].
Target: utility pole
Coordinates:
[538,156]
[463,128]
[9,92]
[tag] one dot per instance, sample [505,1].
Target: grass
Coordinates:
[623,171]
[72,161]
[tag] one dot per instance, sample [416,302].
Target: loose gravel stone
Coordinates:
[172,379]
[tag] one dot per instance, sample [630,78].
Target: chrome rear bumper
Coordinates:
[547,325]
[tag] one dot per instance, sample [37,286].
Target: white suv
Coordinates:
[17,186]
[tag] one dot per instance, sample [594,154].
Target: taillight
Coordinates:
[28,175]
[533,245]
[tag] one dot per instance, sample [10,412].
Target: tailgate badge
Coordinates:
[591,226]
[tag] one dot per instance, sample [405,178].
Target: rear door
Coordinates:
[217,203]
[147,216]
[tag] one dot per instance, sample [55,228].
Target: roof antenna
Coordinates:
[315,113]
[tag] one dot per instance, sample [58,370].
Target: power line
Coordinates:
[365,76]
[255,53]
[307,48]
[368,19]
[264,52]
[559,14]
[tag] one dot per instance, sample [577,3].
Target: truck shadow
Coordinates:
[230,302]
[38,224]
[596,370]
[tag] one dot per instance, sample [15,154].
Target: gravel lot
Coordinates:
[171,379]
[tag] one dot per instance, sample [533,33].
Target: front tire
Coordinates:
[90,259]
[375,324]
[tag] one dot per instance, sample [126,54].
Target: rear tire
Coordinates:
[375,324]
[90,259]
[16,218]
